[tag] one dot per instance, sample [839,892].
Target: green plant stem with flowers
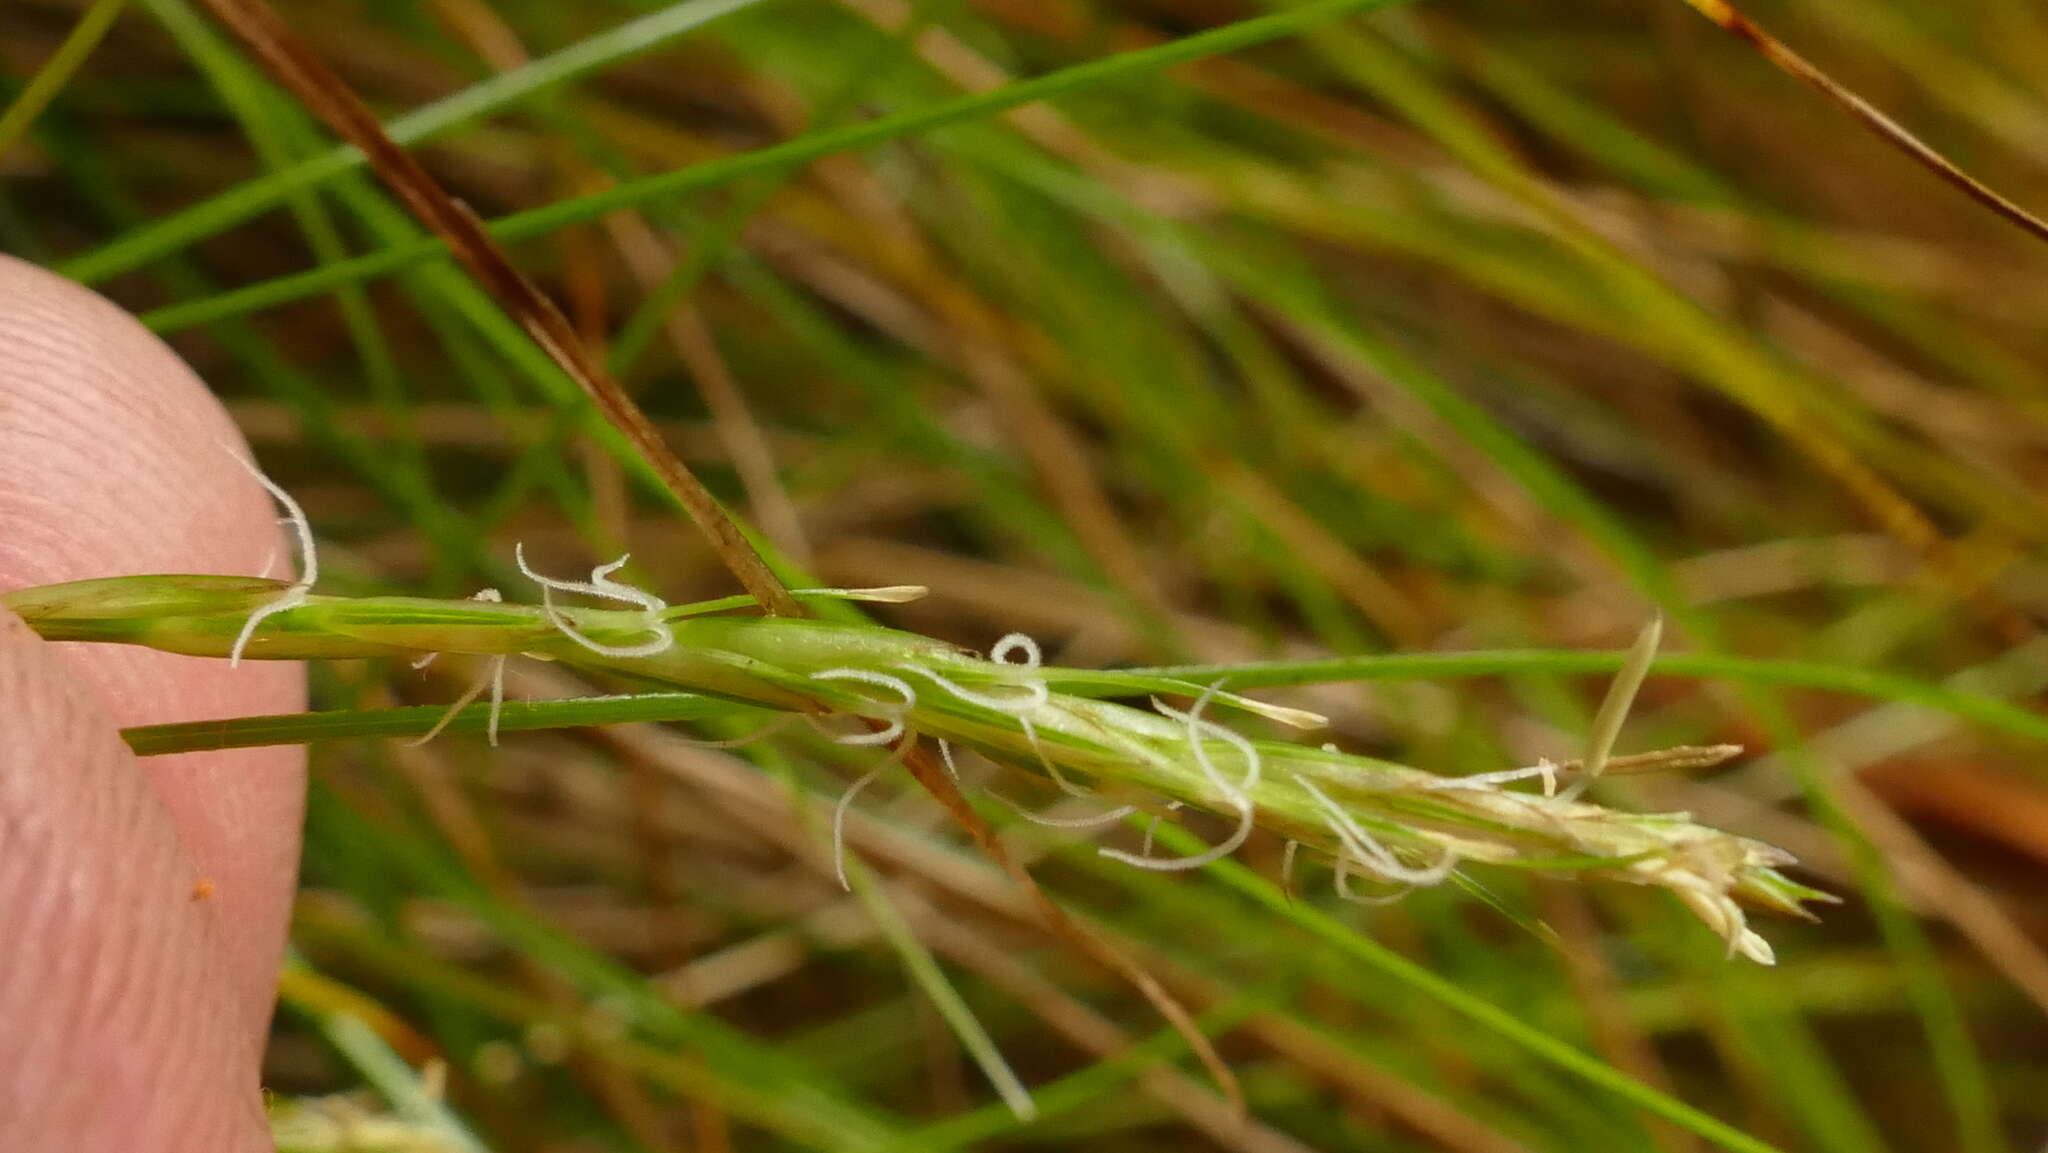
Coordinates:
[1390,826]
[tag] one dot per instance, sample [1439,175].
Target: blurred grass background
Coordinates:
[1448,325]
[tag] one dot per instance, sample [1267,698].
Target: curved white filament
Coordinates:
[1545,769]
[846,800]
[309,559]
[1238,794]
[880,680]
[493,678]
[602,586]
[1051,770]
[1088,822]
[1035,694]
[1228,846]
[302,529]
[1369,853]
[839,822]
[1010,643]
[497,697]
[291,598]
[1344,885]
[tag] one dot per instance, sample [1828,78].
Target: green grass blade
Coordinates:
[160,238]
[417,720]
[713,174]
[1474,1009]
[56,71]
[1990,712]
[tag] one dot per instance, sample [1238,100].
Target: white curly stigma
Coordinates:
[846,801]
[601,585]
[1088,822]
[1035,693]
[309,560]
[839,822]
[1216,853]
[1369,854]
[1344,885]
[493,677]
[1237,795]
[946,753]
[895,685]
[1034,697]
[1051,770]
[1544,769]
[1013,642]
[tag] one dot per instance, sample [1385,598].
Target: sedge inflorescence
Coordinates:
[1362,814]
[1391,827]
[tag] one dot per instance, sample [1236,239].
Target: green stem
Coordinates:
[1474,1008]
[57,71]
[802,150]
[161,238]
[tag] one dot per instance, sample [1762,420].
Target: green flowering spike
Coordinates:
[1391,825]
[114,608]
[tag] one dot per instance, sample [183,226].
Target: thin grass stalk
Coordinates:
[50,79]
[775,158]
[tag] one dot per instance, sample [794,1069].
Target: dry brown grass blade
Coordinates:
[1887,129]
[324,94]
[768,502]
[642,249]
[936,781]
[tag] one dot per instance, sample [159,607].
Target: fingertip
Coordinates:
[111,464]
[119,1027]
[114,448]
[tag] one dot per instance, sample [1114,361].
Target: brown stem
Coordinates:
[328,97]
[1890,131]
